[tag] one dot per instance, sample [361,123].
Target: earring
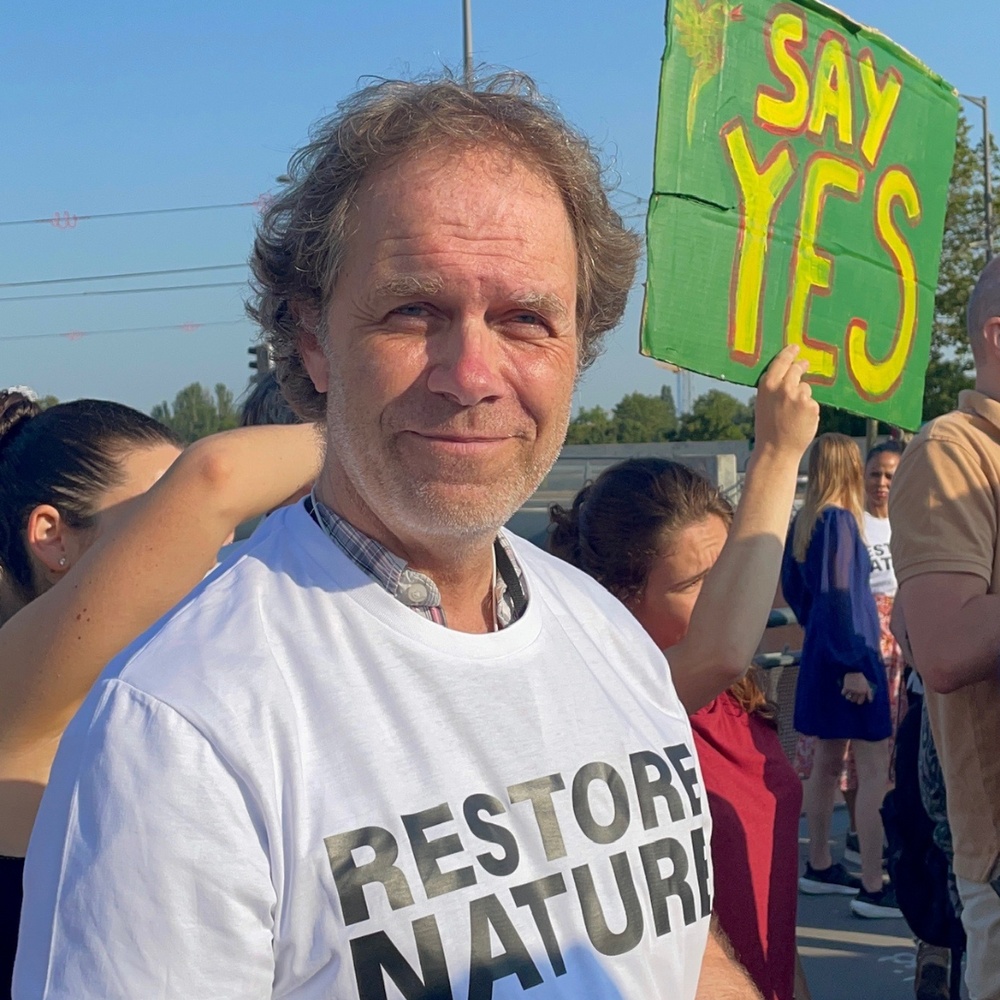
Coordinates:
[62,561]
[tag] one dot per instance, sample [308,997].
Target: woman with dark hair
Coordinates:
[89,559]
[700,580]
[841,694]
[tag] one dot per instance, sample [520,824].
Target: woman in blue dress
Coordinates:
[842,694]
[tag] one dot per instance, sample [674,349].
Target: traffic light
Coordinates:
[261,363]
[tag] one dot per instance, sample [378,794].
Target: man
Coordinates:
[944,507]
[387,751]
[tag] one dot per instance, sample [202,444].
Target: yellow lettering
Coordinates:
[880,103]
[785,111]
[832,97]
[811,269]
[876,379]
[761,190]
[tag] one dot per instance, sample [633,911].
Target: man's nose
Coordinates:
[465,362]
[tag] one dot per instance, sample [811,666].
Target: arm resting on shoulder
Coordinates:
[722,977]
[952,626]
[52,650]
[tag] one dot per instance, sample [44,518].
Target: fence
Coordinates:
[781,673]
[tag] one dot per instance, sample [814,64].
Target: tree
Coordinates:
[963,256]
[197,412]
[717,416]
[636,417]
[591,426]
[842,422]
[46,401]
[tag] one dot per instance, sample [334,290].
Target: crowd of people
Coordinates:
[385,747]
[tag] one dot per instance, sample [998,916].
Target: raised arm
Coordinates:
[52,650]
[731,611]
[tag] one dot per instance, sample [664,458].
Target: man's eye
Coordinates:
[411,309]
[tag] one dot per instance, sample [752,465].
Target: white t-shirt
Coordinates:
[877,533]
[293,786]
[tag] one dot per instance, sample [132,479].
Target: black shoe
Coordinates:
[852,851]
[835,879]
[876,904]
[931,981]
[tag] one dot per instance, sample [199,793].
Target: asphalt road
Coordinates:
[848,957]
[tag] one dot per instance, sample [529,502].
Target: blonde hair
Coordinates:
[836,479]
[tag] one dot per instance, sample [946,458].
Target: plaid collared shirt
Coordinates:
[415,590]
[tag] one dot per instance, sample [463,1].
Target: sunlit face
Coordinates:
[449,347]
[674,583]
[878,478]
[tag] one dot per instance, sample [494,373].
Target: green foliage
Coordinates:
[717,416]
[963,256]
[842,422]
[46,401]
[591,426]
[197,412]
[636,417]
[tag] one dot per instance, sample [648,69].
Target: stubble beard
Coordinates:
[428,508]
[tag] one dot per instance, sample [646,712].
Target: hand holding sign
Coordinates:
[785,414]
[800,185]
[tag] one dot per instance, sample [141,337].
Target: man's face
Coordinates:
[449,347]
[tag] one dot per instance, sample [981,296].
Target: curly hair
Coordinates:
[304,233]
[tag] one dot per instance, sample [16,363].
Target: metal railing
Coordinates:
[781,673]
[779,618]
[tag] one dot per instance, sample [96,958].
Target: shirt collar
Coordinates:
[410,587]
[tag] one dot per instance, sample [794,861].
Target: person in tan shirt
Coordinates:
[944,509]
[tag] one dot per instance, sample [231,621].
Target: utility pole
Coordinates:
[983,105]
[467,41]
[261,363]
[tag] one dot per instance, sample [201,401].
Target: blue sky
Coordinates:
[111,107]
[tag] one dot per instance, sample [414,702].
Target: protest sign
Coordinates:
[799,193]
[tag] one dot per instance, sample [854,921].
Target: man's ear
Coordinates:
[314,360]
[48,541]
[991,335]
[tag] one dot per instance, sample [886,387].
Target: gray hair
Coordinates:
[303,235]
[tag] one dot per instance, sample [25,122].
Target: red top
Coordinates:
[755,798]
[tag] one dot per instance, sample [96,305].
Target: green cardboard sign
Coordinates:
[799,193]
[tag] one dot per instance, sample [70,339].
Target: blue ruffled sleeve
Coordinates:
[831,596]
[793,586]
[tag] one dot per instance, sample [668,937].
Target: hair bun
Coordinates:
[16,407]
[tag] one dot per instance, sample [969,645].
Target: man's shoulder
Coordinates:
[562,580]
[972,424]
[222,628]
[568,595]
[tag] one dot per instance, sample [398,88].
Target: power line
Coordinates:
[123,274]
[79,334]
[67,220]
[122,291]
